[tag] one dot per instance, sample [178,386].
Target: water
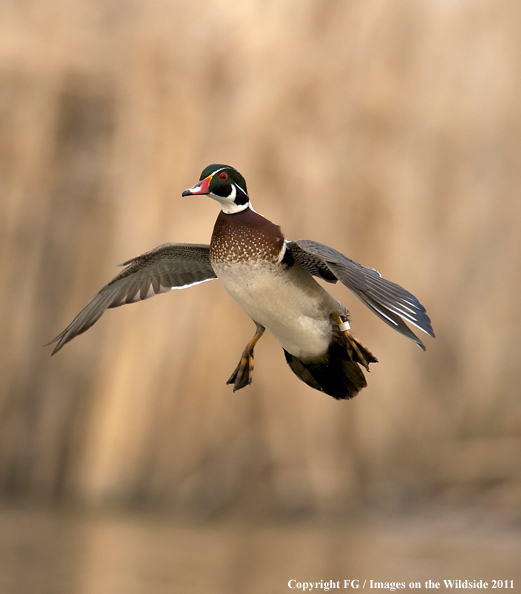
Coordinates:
[52,553]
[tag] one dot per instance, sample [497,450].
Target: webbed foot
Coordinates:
[243,374]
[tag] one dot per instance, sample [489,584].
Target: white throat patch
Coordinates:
[227,203]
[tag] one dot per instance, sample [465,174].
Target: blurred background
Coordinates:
[390,130]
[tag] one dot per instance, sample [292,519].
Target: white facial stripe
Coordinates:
[217,170]
[243,192]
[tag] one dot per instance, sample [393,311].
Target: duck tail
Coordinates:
[338,371]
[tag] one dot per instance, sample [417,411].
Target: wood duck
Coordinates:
[271,278]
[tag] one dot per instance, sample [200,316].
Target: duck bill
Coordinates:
[199,188]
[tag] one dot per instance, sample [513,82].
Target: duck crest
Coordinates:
[245,237]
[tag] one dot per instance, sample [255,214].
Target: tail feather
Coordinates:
[336,373]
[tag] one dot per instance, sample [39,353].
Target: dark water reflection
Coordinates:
[44,553]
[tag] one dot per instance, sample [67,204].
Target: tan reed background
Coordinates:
[390,130]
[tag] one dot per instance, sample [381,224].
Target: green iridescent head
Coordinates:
[224,184]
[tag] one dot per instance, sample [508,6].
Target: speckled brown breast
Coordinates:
[245,237]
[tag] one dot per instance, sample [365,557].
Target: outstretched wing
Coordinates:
[390,302]
[168,266]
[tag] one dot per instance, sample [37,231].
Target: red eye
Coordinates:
[223,176]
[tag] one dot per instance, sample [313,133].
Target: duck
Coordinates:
[274,280]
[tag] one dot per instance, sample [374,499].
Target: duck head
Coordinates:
[224,184]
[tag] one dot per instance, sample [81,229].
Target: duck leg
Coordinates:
[243,374]
[356,350]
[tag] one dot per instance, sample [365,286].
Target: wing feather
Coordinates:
[390,302]
[169,266]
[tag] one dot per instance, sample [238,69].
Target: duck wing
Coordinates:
[168,266]
[390,302]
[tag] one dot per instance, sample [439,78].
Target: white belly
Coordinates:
[288,303]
